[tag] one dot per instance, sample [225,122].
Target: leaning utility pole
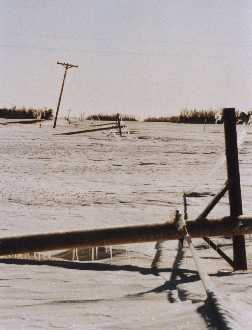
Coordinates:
[67,66]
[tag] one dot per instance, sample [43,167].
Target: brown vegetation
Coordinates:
[188,116]
[26,113]
[107,117]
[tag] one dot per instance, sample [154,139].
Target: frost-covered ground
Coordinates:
[53,183]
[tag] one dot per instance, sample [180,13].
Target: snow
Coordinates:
[53,183]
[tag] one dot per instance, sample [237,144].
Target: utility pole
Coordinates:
[66,66]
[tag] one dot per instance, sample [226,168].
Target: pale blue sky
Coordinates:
[151,57]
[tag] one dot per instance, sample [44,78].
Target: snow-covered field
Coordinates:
[52,182]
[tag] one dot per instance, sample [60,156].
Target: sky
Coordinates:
[141,57]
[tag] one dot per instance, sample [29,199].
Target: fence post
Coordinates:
[234,187]
[119,124]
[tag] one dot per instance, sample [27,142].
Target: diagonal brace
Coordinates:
[205,213]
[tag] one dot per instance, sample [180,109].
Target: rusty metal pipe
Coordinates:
[227,226]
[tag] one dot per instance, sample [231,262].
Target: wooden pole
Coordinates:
[234,187]
[205,213]
[119,124]
[227,226]
[213,202]
[89,130]
[60,96]
[185,206]
[104,124]
[67,66]
[219,251]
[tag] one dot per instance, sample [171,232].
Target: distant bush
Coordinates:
[161,119]
[197,116]
[107,117]
[24,113]
[188,116]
